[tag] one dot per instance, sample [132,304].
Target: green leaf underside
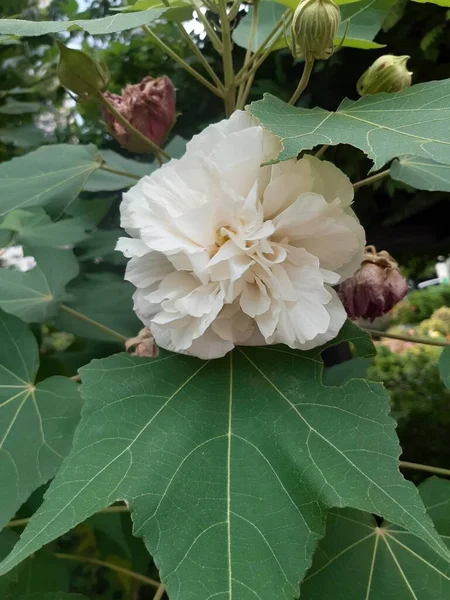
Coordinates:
[228,488]
[53,175]
[444,366]
[36,295]
[111,24]
[413,121]
[42,415]
[359,560]
[421,173]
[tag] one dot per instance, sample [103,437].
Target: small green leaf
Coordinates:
[421,173]
[384,126]
[37,421]
[25,136]
[444,366]
[228,466]
[53,175]
[35,227]
[359,559]
[35,295]
[104,298]
[111,24]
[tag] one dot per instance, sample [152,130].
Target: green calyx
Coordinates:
[388,73]
[80,73]
[314,27]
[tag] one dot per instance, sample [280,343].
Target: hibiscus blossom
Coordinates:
[227,252]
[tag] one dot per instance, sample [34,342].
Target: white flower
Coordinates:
[225,252]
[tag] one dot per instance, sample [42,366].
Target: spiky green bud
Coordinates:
[387,74]
[80,73]
[314,27]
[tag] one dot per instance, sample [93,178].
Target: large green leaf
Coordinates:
[100,246]
[439,2]
[37,294]
[53,175]
[421,173]
[228,466]
[414,121]
[112,24]
[35,227]
[37,421]
[360,559]
[444,366]
[17,107]
[100,307]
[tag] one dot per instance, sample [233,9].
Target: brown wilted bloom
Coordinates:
[375,288]
[142,345]
[149,106]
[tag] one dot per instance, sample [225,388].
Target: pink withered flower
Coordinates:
[375,288]
[149,106]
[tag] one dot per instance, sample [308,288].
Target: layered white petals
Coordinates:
[226,252]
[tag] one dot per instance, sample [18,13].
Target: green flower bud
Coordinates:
[387,74]
[80,73]
[314,27]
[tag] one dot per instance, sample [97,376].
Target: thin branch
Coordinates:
[309,65]
[76,378]
[121,173]
[157,151]
[321,151]
[371,179]
[406,338]
[110,509]
[177,58]
[108,565]
[426,468]
[96,324]
[244,88]
[160,592]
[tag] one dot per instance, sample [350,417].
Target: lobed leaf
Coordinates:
[228,466]
[37,421]
[384,126]
[421,173]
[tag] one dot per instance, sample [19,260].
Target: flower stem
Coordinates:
[309,64]
[157,151]
[78,315]
[406,338]
[177,58]
[108,565]
[426,468]
[213,37]
[198,53]
[229,97]
[159,592]
[321,151]
[121,173]
[371,179]
[245,86]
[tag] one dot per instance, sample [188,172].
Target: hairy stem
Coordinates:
[309,64]
[121,173]
[406,338]
[157,151]
[227,59]
[78,315]
[426,468]
[108,565]
[321,151]
[371,179]
[174,56]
